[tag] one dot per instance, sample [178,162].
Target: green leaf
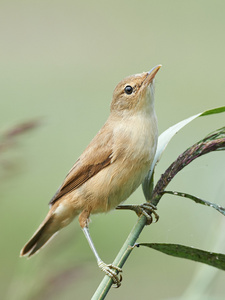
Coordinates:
[216,260]
[164,140]
[215,141]
[213,111]
[198,200]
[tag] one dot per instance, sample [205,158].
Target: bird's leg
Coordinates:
[110,269]
[146,209]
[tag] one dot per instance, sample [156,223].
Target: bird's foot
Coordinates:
[111,271]
[146,209]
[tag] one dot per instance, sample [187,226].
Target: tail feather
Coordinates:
[40,238]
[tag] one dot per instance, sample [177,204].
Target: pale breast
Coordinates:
[135,147]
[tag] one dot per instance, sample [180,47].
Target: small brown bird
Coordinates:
[111,168]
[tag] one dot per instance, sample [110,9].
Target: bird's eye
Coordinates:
[128,90]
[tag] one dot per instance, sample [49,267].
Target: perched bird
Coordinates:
[110,169]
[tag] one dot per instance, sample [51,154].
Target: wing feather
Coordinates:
[97,156]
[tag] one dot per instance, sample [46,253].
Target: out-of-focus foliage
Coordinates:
[61,60]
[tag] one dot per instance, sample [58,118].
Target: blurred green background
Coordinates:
[59,62]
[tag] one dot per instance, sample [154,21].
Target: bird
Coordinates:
[110,169]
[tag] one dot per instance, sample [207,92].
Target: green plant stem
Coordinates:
[213,142]
[121,258]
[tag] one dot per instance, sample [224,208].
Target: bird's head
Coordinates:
[134,93]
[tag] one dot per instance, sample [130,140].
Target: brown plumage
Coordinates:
[112,166]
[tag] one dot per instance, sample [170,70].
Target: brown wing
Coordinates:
[97,156]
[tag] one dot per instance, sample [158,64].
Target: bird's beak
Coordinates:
[152,73]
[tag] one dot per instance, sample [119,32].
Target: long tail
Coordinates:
[46,230]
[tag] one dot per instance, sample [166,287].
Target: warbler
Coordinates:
[110,169]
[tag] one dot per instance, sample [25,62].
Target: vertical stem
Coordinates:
[121,258]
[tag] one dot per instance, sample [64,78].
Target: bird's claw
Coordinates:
[146,209]
[111,271]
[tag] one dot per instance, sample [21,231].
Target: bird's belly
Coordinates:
[109,188]
[125,184]
[130,164]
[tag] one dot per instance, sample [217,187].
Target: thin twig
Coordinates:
[121,258]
